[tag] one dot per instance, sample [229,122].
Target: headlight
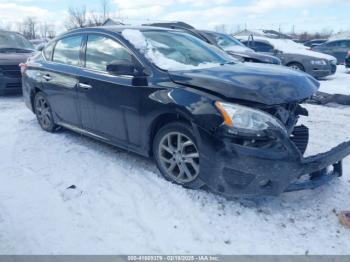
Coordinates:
[247,120]
[318,62]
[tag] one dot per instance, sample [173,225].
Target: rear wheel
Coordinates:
[177,155]
[296,66]
[43,113]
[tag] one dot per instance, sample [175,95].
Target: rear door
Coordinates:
[109,104]
[59,79]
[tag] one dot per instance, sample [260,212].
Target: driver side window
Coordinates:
[102,51]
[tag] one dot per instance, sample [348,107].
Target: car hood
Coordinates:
[266,84]
[14,58]
[264,58]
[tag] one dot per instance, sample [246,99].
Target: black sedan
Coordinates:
[208,122]
[14,49]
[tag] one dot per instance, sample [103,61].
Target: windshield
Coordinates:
[225,41]
[14,41]
[175,50]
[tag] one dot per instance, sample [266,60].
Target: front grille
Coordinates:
[300,137]
[285,113]
[12,71]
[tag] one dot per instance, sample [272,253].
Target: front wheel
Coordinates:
[296,66]
[177,155]
[43,113]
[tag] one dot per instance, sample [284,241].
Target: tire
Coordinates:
[43,113]
[178,163]
[296,66]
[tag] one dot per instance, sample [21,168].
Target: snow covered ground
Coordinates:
[339,83]
[122,206]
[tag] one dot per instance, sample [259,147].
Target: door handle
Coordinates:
[84,86]
[47,77]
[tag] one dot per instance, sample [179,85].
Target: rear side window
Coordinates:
[102,51]
[48,51]
[332,44]
[67,50]
[263,47]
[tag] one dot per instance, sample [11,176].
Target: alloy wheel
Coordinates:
[179,157]
[43,113]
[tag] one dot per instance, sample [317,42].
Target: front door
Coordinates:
[109,104]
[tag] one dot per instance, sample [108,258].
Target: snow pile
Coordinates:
[238,48]
[149,49]
[339,83]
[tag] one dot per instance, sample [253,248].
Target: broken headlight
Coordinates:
[245,120]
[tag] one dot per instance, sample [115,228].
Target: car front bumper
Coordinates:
[10,85]
[320,71]
[231,169]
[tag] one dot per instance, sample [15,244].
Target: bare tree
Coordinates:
[28,27]
[98,18]
[105,9]
[77,17]
[47,30]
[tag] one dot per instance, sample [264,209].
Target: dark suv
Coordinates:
[208,122]
[14,49]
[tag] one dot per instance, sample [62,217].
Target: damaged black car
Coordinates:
[208,121]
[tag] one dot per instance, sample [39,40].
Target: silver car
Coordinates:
[337,48]
[294,55]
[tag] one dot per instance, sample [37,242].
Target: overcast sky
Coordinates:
[310,15]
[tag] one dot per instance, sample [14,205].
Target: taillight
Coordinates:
[348,54]
[23,67]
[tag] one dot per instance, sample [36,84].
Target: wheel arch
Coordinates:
[32,94]
[162,120]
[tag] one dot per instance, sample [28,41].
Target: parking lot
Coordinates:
[120,204]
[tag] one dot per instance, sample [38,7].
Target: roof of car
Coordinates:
[118,28]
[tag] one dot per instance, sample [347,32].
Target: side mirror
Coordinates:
[121,67]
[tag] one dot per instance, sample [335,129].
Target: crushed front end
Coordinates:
[269,162]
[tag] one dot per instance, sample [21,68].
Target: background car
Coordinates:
[336,48]
[315,42]
[347,60]
[14,49]
[223,41]
[235,48]
[293,55]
